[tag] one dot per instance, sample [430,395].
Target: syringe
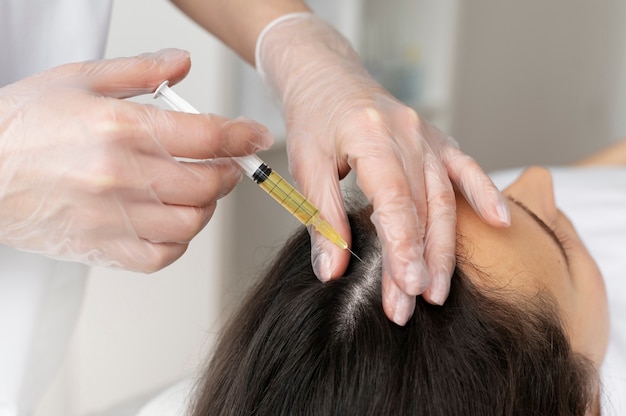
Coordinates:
[271,182]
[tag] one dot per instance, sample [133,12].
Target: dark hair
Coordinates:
[301,347]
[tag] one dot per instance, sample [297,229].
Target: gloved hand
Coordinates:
[338,118]
[88,177]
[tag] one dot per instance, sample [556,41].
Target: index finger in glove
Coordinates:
[399,205]
[440,241]
[196,136]
[476,186]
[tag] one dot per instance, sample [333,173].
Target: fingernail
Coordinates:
[416,278]
[452,142]
[255,125]
[322,265]
[439,290]
[404,308]
[172,54]
[266,137]
[503,212]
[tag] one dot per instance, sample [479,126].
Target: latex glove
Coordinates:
[338,118]
[88,177]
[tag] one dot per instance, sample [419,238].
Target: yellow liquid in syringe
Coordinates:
[299,207]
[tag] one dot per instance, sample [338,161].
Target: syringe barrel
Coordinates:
[300,207]
[288,196]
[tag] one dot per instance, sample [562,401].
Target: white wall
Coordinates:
[538,81]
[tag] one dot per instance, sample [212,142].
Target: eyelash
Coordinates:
[561,236]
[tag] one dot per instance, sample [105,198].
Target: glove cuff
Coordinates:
[267,29]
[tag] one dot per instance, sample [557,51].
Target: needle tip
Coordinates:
[354,254]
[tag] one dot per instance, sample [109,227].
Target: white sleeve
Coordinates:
[40,34]
[40,302]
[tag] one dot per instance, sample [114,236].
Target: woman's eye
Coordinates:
[562,238]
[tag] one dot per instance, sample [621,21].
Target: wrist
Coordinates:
[296,46]
[268,28]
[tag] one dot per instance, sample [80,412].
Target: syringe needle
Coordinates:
[354,254]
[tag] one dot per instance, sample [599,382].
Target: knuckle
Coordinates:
[101,176]
[443,200]
[407,116]
[101,169]
[397,215]
[99,180]
[366,117]
[397,192]
[108,126]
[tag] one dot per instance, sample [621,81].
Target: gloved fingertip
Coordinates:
[322,263]
[439,289]
[402,308]
[453,142]
[504,214]
[171,54]
[265,139]
[416,278]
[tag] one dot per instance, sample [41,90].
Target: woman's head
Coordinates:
[299,346]
[540,252]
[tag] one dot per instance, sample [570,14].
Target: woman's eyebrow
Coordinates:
[543,225]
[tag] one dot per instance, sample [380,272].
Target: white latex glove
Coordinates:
[88,177]
[338,118]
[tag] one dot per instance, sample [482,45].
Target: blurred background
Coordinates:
[515,83]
